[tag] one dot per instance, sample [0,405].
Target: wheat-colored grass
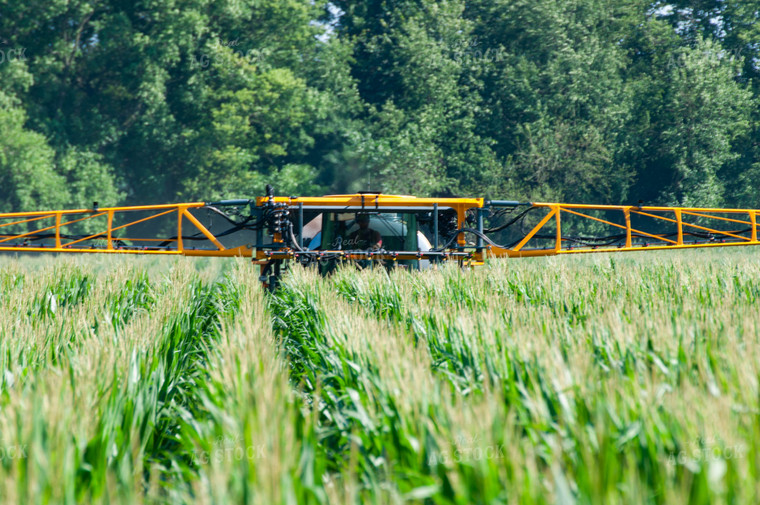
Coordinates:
[598,379]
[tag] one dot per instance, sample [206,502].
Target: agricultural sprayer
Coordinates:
[373,229]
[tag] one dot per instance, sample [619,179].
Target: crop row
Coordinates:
[580,380]
[599,380]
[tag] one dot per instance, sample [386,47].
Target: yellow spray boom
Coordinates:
[373,228]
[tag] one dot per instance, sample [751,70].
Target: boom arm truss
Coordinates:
[688,227]
[271,229]
[122,230]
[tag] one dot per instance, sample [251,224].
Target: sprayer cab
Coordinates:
[371,229]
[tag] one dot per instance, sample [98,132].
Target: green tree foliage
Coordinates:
[421,90]
[594,101]
[88,179]
[27,173]
[160,88]
[693,118]
[558,105]
[707,112]
[34,175]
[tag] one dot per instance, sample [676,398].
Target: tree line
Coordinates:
[590,101]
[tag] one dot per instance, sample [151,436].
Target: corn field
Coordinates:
[600,379]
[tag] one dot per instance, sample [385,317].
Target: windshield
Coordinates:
[369,231]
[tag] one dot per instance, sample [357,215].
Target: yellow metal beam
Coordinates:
[642,208]
[697,214]
[181,211]
[133,208]
[23,221]
[142,220]
[58,230]
[180,245]
[202,229]
[681,223]
[657,237]
[56,226]
[109,237]
[535,229]
[370,202]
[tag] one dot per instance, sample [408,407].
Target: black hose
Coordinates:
[521,215]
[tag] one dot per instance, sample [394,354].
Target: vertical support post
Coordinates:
[461,219]
[57,230]
[435,226]
[480,229]
[109,238]
[300,225]
[753,219]
[558,243]
[679,219]
[180,245]
[628,241]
